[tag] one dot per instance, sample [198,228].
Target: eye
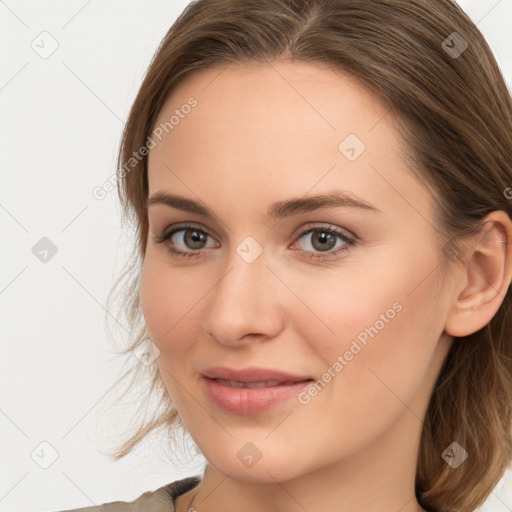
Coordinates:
[324,241]
[321,241]
[192,237]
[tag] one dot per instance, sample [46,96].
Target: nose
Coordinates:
[245,303]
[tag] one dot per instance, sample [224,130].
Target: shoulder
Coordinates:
[159,500]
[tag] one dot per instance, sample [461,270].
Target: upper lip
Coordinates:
[251,374]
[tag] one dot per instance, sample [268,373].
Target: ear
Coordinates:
[485,277]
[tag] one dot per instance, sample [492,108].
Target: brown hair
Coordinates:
[455,114]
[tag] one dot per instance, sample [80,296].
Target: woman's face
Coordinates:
[318,259]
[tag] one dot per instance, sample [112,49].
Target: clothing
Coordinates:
[159,500]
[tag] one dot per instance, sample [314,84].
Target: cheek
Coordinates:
[168,302]
[168,307]
[156,297]
[377,335]
[387,295]
[387,378]
[356,305]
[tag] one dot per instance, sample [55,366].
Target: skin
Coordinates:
[266,133]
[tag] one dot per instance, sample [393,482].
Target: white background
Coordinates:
[62,122]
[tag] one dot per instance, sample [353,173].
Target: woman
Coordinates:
[321,190]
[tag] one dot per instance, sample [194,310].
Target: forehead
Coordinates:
[274,95]
[280,128]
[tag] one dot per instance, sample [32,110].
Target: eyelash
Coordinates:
[349,242]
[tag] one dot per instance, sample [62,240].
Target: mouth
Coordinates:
[251,391]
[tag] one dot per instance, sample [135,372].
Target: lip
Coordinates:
[274,388]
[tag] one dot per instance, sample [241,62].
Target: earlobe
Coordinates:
[485,279]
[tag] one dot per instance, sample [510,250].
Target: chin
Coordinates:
[269,467]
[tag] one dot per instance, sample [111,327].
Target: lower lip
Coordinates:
[251,400]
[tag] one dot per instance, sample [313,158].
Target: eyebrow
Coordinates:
[277,210]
